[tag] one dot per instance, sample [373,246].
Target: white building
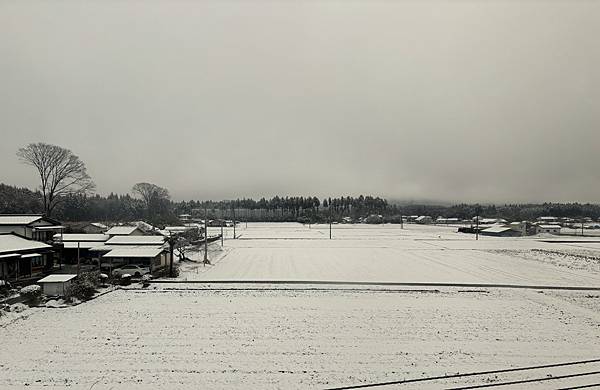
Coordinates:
[56,284]
[424,220]
[551,229]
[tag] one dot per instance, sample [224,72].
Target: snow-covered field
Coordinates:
[387,253]
[194,335]
[288,339]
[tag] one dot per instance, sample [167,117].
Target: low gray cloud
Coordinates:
[456,101]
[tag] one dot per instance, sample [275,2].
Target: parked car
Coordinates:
[133,270]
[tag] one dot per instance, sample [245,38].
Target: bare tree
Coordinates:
[61,172]
[155,198]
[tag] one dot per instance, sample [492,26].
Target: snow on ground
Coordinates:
[287,339]
[387,253]
[198,335]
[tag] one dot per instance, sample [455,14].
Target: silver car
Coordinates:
[133,270]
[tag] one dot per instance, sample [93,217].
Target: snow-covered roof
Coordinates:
[57,278]
[99,225]
[101,248]
[81,244]
[549,226]
[30,255]
[136,240]
[14,243]
[179,228]
[18,219]
[488,220]
[496,229]
[138,251]
[81,237]
[52,227]
[121,230]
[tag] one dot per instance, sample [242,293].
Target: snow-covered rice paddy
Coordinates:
[195,334]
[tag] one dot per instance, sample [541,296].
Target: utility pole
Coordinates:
[171,245]
[205,237]
[330,224]
[221,231]
[233,209]
[477,227]
[78,258]
[582,227]
[401,221]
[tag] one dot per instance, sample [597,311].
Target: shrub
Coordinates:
[32,294]
[84,287]
[92,277]
[4,288]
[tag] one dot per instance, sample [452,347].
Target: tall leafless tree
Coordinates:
[61,172]
[155,198]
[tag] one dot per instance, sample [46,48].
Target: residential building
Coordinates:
[34,226]
[95,228]
[500,231]
[424,220]
[551,229]
[124,231]
[74,246]
[22,257]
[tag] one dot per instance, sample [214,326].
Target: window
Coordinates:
[37,262]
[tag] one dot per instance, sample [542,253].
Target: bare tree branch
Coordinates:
[61,172]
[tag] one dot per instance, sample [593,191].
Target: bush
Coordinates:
[92,277]
[83,287]
[4,288]
[32,294]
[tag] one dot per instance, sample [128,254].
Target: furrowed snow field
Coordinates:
[372,253]
[287,339]
[196,334]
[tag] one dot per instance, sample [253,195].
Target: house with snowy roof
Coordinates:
[74,246]
[95,228]
[124,231]
[148,251]
[22,257]
[33,226]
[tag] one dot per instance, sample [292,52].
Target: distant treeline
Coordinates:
[303,208]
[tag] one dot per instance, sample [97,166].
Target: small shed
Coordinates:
[56,284]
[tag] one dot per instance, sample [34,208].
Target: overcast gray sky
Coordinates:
[446,100]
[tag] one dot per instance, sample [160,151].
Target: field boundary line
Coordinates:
[398,284]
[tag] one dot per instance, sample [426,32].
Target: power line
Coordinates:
[581,387]
[434,378]
[543,379]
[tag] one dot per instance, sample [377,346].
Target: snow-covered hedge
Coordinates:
[31,293]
